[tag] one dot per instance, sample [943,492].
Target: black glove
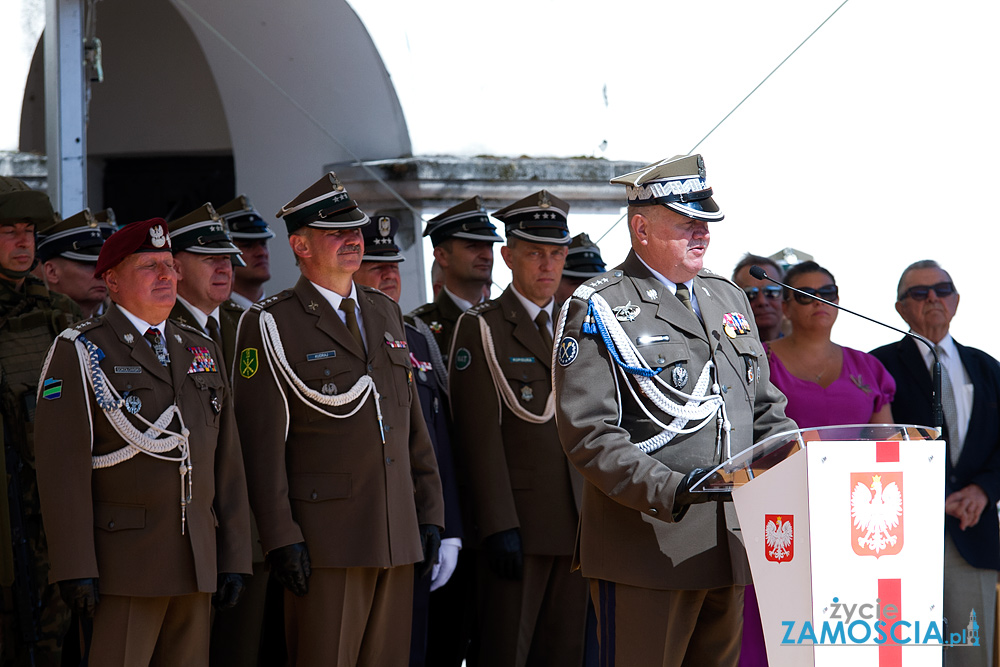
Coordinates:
[290,564]
[430,542]
[684,496]
[228,590]
[505,554]
[80,595]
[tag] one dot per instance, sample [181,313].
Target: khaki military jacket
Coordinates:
[627,531]
[440,316]
[229,319]
[123,523]
[516,472]
[332,483]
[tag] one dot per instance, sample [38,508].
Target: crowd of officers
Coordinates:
[243,480]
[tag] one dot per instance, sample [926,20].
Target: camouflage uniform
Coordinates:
[30,319]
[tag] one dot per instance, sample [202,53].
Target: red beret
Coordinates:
[146,236]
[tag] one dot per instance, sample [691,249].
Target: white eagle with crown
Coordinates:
[778,537]
[877,513]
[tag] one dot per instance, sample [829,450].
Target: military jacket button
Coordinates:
[111,524]
[314,495]
[652,510]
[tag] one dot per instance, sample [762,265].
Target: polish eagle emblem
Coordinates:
[778,537]
[877,512]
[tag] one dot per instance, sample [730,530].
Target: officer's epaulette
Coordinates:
[190,329]
[366,288]
[270,301]
[231,306]
[708,274]
[80,327]
[421,310]
[605,280]
[482,307]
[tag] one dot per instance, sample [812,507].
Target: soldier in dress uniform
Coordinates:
[33,619]
[143,494]
[666,564]
[341,471]
[380,269]
[204,256]
[524,494]
[68,251]
[463,238]
[250,233]
[583,261]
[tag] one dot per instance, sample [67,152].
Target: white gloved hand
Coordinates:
[447,560]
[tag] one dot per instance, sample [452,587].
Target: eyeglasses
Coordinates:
[920,292]
[770,292]
[828,292]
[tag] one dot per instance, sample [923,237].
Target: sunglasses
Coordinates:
[828,292]
[920,292]
[770,292]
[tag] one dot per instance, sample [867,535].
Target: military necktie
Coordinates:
[685,297]
[542,321]
[213,331]
[156,341]
[949,408]
[351,319]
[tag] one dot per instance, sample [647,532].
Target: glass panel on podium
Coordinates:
[754,461]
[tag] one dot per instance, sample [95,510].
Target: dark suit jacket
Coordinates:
[979,462]
[123,523]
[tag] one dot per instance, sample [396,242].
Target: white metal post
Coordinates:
[65,105]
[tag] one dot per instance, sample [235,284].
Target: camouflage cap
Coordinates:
[19,203]
[677,183]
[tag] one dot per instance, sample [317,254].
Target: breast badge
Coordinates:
[626,313]
[679,376]
[735,324]
[202,362]
[133,404]
[526,393]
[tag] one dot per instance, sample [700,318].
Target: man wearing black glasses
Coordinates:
[764,297]
[927,300]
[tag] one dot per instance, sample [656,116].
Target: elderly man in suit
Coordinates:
[927,300]
[149,405]
[660,375]
[341,472]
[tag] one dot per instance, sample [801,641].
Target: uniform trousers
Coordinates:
[644,627]
[236,632]
[156,631]
[968,588]
[537,621]
[351,616]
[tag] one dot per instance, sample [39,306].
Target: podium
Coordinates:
[844,529]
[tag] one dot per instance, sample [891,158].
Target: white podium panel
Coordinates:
[845,542]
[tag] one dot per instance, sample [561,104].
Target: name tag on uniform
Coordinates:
[316,356]
[128,369]
[521,360]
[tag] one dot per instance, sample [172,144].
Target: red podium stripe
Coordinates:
[890,591]
[887,452]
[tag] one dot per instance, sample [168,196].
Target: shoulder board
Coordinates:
[482,307]
[366,288]
[189,329]
[420,310]
[231,306]
[270,301]
[80,327]
[604,280]
[708,275]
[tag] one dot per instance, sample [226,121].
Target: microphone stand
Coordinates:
[937,412]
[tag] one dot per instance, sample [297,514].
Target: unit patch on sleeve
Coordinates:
[248,362]
[52,389]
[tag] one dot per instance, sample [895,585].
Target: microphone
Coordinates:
[937,412]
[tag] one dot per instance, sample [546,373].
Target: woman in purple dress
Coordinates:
[825,383]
